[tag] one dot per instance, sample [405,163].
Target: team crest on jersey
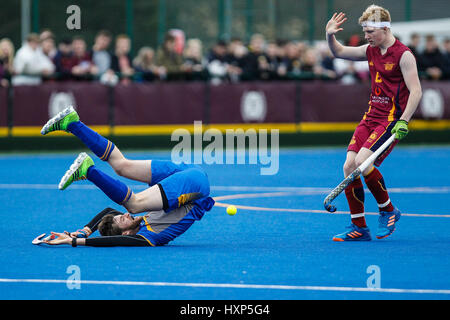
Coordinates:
[372,137]
[388,66]
[371,63]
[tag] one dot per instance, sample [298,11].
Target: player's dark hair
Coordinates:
[107,227]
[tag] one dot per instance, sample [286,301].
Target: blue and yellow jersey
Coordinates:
[185,190]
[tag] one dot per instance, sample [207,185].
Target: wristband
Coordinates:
[74,242]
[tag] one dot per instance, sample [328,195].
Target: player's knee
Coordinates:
[133,207]
[121,167]
[135,204]
[368,170]
[358,161]
[349,166]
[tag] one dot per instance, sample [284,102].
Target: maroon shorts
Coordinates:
[371,135]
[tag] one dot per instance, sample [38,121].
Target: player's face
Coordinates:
[124,221]
[374,36]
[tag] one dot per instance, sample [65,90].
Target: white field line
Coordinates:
[255,208]
[229,285]
[275,192]
[306,190]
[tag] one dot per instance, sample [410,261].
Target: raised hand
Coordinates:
[334,25]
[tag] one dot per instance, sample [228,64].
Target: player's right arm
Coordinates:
[339,51]
[107,241]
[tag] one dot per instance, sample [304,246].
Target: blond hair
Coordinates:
[194,48]
[143,59]
[6,42]
[375,13]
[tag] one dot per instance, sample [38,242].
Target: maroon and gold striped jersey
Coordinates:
[389,94]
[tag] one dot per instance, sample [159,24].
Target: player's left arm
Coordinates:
[408,68]
[91,227]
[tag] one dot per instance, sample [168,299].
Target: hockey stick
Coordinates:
[42,238]
[352,176]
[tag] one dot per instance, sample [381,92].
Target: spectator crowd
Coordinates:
[109,60]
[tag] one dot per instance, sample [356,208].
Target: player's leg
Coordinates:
[172,192]
[150,199]
[374,180]
[362,156]
[180,184]
[83,168]
[372,176]
[354,192]
[138,170]
[68,120]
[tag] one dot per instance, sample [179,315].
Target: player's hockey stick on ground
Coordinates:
[352,176]
[42,238]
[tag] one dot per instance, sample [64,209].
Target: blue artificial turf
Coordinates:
[290,251]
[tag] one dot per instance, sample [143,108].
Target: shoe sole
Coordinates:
[74,167]
[382,237]
[353,240]
[56,118]
[386,235]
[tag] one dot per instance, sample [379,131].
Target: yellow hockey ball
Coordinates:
[231,210]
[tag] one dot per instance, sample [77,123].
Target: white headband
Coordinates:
[376,24]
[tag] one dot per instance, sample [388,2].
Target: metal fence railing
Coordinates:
[146,21]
